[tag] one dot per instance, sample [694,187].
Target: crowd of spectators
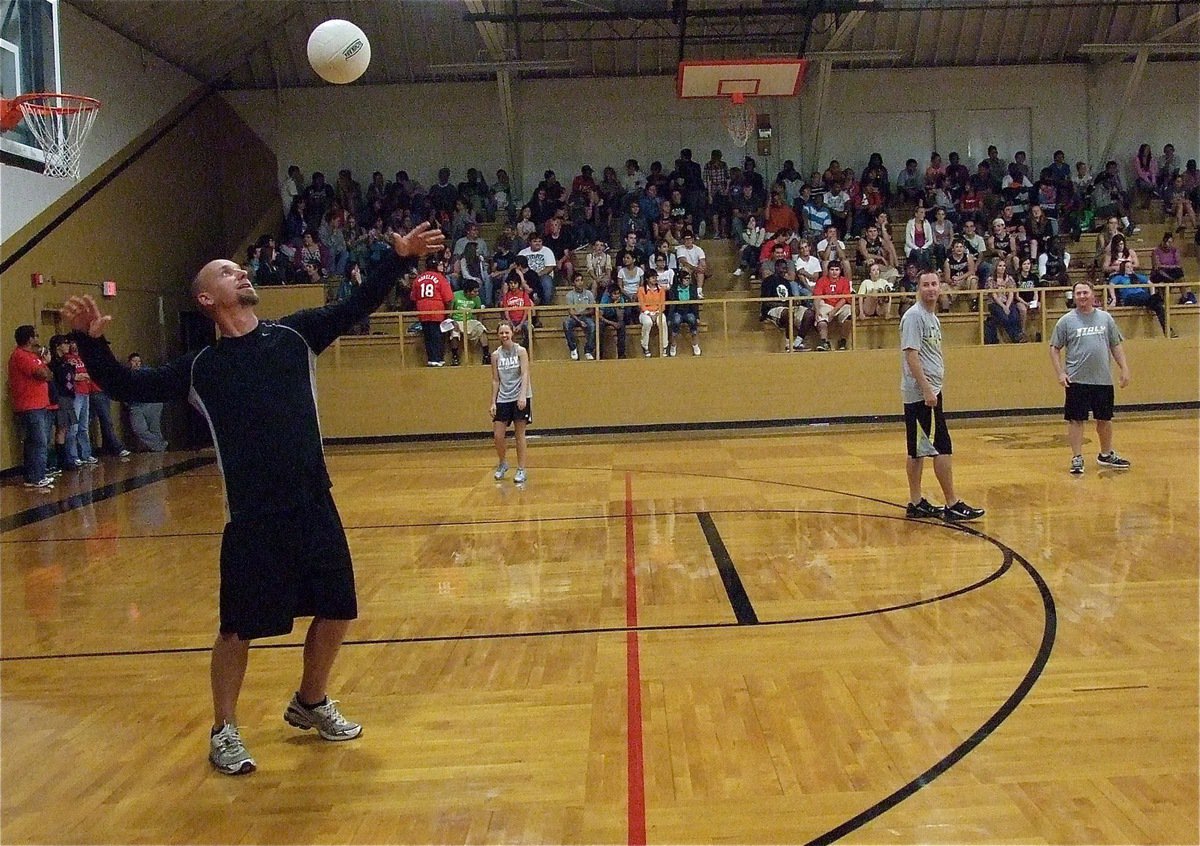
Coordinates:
[624,231]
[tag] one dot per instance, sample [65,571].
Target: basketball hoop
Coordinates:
[738,116]
[59,122]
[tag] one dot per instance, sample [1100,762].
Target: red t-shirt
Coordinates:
[432,293]
[514,303]
[764,252]
[29,393]
[826,285]
[83,380]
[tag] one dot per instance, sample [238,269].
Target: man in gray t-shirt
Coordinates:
[1089,336]
[921,373]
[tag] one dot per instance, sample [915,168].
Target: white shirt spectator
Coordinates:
[540,261]
[690,255]
[823,245]
[810,266]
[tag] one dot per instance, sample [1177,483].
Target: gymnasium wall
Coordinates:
[565,123]
[135,88]
[364,393]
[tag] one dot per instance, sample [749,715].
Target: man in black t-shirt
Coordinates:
[284,553]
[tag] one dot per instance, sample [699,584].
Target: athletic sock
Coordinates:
[312,705]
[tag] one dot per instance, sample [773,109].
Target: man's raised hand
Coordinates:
[84,315]
[421,240]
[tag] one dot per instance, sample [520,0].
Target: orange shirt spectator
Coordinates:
[780,216]
[652,300]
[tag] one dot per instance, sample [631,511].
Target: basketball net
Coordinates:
[59,123]
[738,116]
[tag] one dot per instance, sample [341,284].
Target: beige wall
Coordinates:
[365,393]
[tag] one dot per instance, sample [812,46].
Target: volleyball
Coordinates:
[339,51]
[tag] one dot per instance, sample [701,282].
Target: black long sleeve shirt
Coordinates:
[258,393]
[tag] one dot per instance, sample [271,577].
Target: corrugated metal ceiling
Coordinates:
[261,44]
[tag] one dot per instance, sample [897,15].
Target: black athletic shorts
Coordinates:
[276,567]
[932,420]
[507,412]
[1082,398]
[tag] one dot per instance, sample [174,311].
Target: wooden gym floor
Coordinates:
[688,639]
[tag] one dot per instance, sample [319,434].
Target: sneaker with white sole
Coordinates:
[671,351]
[501,470]
[1111,459]
[1077,465]
[737,272]
[589,357]
[798,344]
[646,352]
[695,349]
[574,355]
[43,484]
[325,718]
[519,476]
[227,753]
[124,453]
[960,512]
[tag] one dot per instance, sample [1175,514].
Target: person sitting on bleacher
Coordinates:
[833,294]
[832,249]
[766,260]
[684,308]
[517,304]
[958,275]
[1166,267]
[872,291]
[1132,288]
[614,312]
[873,249]
[751,242]
[808,269]
[1002,307]
[918,239]
[788,313]
[311,251]
[816,216]
[598,266]
[632,247]
[780,214]
[543,263]
[776,271]
[910,184]
[556,238]
[838,201]
[745,206]
[580,299]
[691,258]
[1053,264]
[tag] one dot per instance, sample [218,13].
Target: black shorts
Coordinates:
[933,421]
[276,567]
[507,412]
[1082,398]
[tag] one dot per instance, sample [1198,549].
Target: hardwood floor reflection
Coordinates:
[809,664]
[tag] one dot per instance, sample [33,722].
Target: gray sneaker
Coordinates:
[228,754]
[1077,465]
[325,718]
[519,476]
[501,470]
[1111,459]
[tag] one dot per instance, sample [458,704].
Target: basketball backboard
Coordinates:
[29,62]
[748,77]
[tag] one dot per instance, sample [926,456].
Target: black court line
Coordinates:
[743,610]
[1049,632]
[52,509]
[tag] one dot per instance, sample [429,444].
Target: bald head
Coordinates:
[223,285]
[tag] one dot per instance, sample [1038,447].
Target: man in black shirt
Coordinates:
[284,552]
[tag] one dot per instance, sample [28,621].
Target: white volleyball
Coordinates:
[339,51]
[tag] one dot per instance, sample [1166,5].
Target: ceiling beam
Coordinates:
[1174,29]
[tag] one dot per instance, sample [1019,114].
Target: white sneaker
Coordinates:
[325,718]
[501,470]
[646,352]
[671,351]
[574,355]
[228,754]
[44,484]
[695,349]
[798,344]
[737,272]
[124,453]
[519,476]
[699,293]
[589,357]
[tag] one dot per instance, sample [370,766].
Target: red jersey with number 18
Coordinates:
[431,292]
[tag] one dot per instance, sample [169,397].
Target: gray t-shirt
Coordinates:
[921,330]
[580,300]
[508,366]
[1088,339]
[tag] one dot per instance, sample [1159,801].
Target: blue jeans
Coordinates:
[101,409]
[678,318]
[83,437]
[37,441]
[570,324]
[546,289]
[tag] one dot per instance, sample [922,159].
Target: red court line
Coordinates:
[633,685]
